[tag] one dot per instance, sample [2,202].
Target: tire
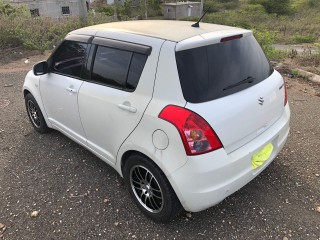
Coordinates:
[35,115]
[150,189]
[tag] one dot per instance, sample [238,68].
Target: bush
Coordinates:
[220,5]
[314,3]
[238,18]
[266,40]
[107,10]
[40,33]
[230,5]
[10,10]
[281,7]
[153,8]
[211,6]
[253,9]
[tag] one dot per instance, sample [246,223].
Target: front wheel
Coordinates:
[150,189]
[35,114]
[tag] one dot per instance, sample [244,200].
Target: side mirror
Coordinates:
[41,68]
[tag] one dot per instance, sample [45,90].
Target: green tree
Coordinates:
[125,10]
[155,5]
[102,7]
[279,7]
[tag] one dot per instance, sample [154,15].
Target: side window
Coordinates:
[69,58]
[110,66]
[136,67]
[118,68]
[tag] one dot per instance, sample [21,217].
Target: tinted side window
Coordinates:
[69,58]
[111,66]
[136,67]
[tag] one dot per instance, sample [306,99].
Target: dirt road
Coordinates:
[77,196]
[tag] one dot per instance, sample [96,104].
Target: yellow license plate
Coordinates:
[260,157]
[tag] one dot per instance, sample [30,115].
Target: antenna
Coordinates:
[197,23]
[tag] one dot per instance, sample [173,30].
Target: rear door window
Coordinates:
[137,64]
[218,70]
[111,66]
[117,68]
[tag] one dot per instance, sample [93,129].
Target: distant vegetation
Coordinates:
[273,21]
[127,11]
[292,21]
[18,28]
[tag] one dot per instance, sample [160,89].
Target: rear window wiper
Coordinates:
[246,80]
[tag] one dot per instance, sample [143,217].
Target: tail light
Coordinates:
[196,134]
[285,94]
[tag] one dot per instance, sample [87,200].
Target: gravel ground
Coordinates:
[77,196]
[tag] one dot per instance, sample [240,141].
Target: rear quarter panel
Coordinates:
[167,90]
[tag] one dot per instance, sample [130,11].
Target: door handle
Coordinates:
[127,108]
[72,90]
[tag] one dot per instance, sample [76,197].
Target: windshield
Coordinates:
[218,70]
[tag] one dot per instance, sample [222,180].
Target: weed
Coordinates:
[308,59]
[295,72]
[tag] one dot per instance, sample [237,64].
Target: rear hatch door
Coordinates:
[233,87]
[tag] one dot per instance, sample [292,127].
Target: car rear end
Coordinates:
[235,121]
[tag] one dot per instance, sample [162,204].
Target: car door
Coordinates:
[60,87]
[112,102]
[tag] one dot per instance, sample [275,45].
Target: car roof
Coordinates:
[175,31]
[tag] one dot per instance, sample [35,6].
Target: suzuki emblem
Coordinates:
[261,101]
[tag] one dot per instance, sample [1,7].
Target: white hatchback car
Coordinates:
[186,115]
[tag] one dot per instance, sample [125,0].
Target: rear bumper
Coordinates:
[206,180]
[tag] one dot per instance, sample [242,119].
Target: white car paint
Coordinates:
[59,95]
[32,85]
[215,175]
[116,109]
[242,118]
[91,115]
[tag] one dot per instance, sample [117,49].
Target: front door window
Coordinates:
[69,58]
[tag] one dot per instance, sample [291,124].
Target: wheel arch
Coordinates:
[129,153]
[25,92]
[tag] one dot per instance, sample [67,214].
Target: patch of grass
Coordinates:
[304,38]
[300,4]
[295,72]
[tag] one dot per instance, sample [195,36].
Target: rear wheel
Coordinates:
[150,189]
[35,114]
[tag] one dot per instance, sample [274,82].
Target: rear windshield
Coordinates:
[218,70]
